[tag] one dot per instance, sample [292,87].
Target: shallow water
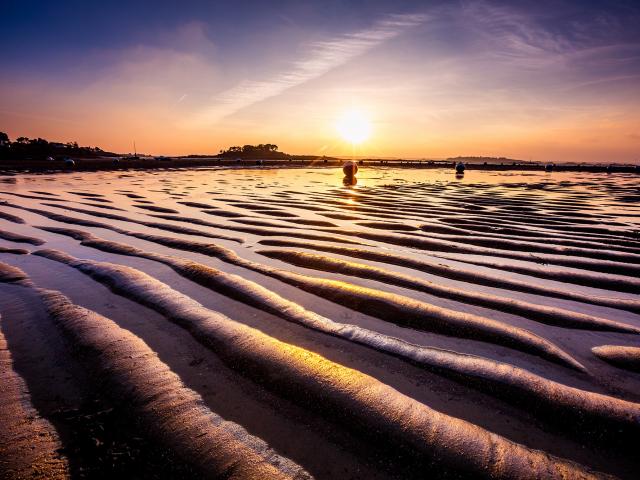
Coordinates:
[565,241]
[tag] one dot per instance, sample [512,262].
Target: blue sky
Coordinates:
[547,80]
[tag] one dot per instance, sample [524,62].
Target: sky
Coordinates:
[545,80]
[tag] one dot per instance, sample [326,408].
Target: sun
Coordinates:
[353,126]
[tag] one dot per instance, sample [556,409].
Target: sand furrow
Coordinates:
[267,232]
[104,207]
[499,379]
[474,277]
[15,251]
[39,192]
[197,204]
[361,402]
[433,245]
[620,356]
[99,200]
[611,280]
[87,194]
[19,238]
[155,208]
[29,444]
[397,309]
[8,217]
[474,225]
[159,401]
[407,312]
[526,238]
[224,213]
[34,197]
[91,223]
[549,315]
[484,225]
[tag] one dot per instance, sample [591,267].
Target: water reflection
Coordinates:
[349,181]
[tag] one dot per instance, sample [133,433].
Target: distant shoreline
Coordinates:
[144,163]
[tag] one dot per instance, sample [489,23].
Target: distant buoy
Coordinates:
[350,169]
[460,168]
[349,181]
[259,162]
[609,168]
[548,167]
[50,159]
[116,161]
[69,163]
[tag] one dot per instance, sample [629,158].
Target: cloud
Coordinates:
[320,58]
[511,35]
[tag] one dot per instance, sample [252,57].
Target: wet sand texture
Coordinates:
[251,322]
[291,370]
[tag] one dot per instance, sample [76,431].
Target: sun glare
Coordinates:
[353,126]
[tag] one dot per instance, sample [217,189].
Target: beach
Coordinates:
[114,163]
[197,320]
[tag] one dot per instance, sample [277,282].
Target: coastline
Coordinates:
[110,164]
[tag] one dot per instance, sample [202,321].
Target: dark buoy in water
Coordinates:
[548,167]
[609,168]
[116,161]
[259,162]
[350,168]
[460,168]
[348,181]
[69,163]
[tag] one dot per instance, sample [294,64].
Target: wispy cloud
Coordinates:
[320,58]
[512,35]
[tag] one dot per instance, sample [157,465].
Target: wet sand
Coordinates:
[167,163]
[275,323]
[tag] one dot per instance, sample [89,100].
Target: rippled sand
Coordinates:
[267,323]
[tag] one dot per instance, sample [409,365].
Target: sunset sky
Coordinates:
[553,80]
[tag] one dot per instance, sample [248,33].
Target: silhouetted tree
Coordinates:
[262,150]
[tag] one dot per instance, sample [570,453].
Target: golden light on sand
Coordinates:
[354,126]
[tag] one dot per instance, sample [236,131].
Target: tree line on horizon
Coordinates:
[40,149]
[24,148]
[262,150]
